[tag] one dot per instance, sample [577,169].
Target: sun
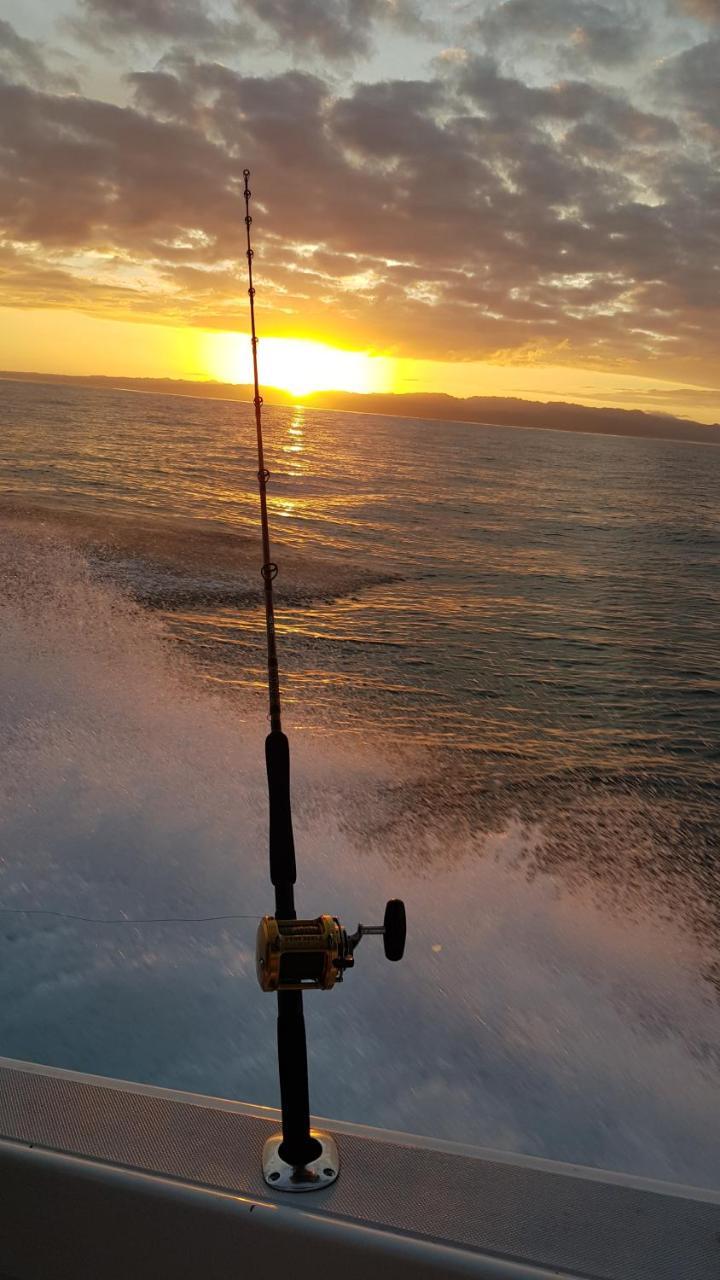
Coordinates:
[297,365]
[301,366]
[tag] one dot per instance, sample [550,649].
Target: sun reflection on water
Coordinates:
[295,445]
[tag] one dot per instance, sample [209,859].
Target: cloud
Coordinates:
[507,97]
[20,54]
[174,18]
[467,214]
[607,36]
[25,282]
[691,79]
[167,21]
[331,29]
[708,10]
[23,59]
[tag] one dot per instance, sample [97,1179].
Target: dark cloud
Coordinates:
[392,119]
[509,98]
[692,81]
[332,29]
[592,31]
[121,175]
[168,21]
[160,92]
[176,19]
[467,215]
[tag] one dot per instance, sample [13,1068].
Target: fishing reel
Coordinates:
[309,955]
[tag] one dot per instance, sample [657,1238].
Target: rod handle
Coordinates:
[282,843]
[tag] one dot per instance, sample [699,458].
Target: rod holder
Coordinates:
[312,1175]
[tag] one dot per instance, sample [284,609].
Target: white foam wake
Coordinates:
[523,1017]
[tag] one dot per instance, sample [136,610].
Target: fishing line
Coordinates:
[65,915]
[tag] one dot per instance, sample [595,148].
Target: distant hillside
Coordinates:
[489,410]
[506,411]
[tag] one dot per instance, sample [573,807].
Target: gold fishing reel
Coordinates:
[307,955]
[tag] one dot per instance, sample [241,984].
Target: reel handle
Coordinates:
[394,929]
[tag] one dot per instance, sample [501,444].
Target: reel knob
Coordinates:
[394,929]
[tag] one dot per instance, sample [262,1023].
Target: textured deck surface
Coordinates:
[550,1217]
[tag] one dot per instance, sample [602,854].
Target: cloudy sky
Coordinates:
[502,197]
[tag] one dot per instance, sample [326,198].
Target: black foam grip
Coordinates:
[395,924]
[297,1145]
[282,844]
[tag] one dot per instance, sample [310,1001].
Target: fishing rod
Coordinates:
[293,955]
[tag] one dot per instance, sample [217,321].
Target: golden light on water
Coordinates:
[297,365]
[294,447]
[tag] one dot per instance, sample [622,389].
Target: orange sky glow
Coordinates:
[72,342]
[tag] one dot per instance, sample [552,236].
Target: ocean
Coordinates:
[501,685]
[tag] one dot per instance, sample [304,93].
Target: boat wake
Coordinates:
[173,563]
[524,1017]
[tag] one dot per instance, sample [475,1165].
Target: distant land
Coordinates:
[500,411]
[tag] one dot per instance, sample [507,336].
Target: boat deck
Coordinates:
[130,1153]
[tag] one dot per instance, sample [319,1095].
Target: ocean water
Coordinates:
[502,689]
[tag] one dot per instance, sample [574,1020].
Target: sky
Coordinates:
[516,198]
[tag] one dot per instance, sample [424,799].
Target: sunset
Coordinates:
[359,663]
[515,199]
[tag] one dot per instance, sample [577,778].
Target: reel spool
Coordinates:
[307,955]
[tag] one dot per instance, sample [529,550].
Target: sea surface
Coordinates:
[501,683]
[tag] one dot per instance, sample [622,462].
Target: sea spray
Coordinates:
[524,1018]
